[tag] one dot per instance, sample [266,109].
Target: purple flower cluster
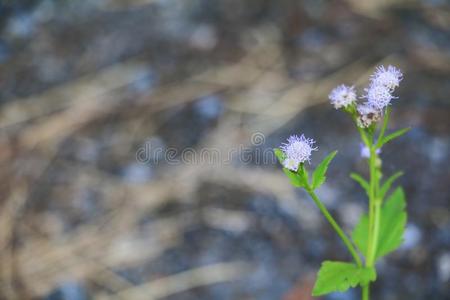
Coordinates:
[298,149]
[342,96]
[389,78]
[382,84]
[378,95]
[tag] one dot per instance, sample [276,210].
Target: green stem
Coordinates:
[370,233]
[371,204]
[363,135]
[365,292]
[336,227]
[374,213]
[376,232]
[374,209]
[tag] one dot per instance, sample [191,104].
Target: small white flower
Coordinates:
[389,78]
[298,149]
[365,151]
[378,96]
[367,115]
[342,96]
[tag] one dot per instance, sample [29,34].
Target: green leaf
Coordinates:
[392,223]
[392,226]
[362,182]
[388,183]
[280,155]
[321,170]
[383,128]
[393,135]
[295,179]
[337,276]
[360,233]
[303,173]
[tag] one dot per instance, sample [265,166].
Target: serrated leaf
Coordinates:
[394,135]
[337,276]
[392,226]
[321,170]
[362,182]
[360,233]
[388,183]
[393,221]
[280,155]
[295,179]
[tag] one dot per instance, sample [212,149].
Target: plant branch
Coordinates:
[336,227]
[365,292]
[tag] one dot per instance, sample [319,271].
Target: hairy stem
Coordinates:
[336,227]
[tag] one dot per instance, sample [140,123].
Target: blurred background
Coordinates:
[94,93]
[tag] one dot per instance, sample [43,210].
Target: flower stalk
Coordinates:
[374,215]
[335,226]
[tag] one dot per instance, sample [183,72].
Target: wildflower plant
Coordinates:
[380,230]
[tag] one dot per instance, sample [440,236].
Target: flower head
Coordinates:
[367,115]
[342,96]
[298,149]
[378,96]
[389,78]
